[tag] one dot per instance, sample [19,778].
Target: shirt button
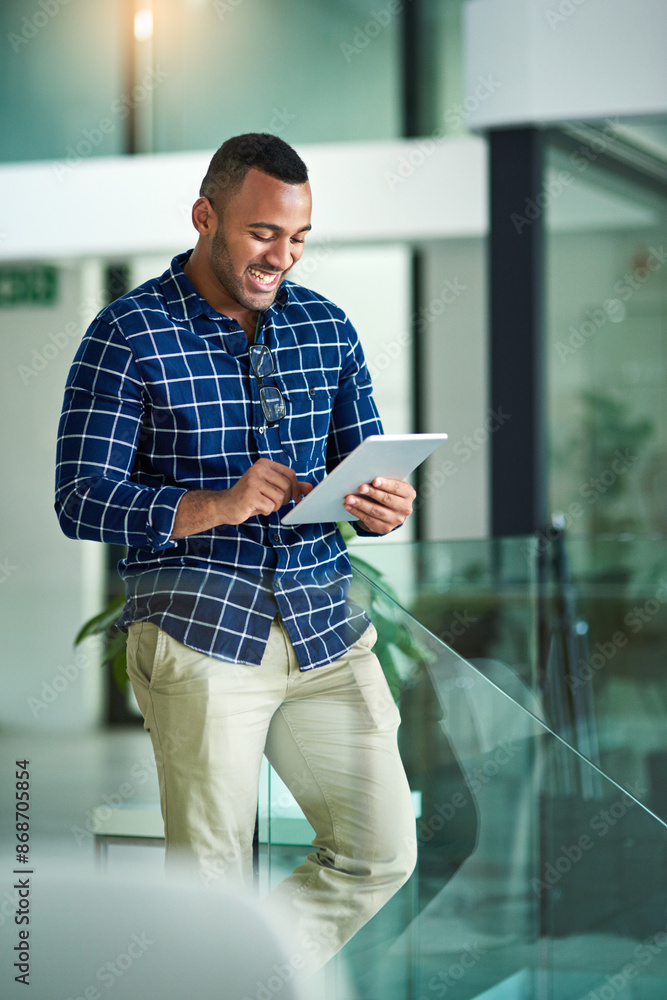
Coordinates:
[261,430]
[311,392]
[275,536]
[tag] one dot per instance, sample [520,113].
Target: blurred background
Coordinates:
[490,208]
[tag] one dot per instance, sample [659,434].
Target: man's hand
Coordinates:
[262,489]
[384,504]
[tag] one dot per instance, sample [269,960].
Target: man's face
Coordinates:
[259,238]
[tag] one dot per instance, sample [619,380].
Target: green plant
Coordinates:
[600,459]
[103,624]
[396,648]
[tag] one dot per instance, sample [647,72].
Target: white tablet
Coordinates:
[393,456]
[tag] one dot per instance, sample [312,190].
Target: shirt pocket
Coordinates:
[305,427]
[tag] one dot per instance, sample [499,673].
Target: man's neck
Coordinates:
[197,273]
[248,323]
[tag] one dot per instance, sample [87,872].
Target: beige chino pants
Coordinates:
[330,733]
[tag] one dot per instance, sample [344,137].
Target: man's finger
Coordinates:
[302,490]
[389,487]
[276,476]
[369,508]
[392,501]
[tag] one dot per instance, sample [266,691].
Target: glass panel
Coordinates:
[615,613]
[309,72]
[538,876]
[578,623]
[445,106]
[62,82]
[479,596]
[606,361]
[215,69]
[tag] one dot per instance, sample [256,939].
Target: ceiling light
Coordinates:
[143,24]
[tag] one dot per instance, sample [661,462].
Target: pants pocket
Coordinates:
[372,682]
[368,639]
[143,643]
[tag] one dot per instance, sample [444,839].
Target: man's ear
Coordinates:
[204,217]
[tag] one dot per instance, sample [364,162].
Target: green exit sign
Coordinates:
[28,286]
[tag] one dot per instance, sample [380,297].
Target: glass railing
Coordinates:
[540,876]
[580,622]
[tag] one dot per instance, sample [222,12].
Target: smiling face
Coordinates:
[259,237]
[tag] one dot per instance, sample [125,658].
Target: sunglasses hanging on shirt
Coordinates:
[271,398]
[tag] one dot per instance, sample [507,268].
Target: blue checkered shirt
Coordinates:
[161,399]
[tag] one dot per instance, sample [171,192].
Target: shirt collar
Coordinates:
[184,301]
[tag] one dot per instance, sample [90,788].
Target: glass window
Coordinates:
[606,349]
[61,80]
[307,71]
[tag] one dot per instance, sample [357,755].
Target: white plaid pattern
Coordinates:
[161,399]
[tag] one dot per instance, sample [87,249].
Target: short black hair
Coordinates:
[261,150]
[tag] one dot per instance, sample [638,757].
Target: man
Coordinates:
[197,408]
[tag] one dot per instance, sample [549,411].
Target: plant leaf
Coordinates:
[99,623]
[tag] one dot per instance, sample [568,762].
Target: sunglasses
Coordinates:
[271,398]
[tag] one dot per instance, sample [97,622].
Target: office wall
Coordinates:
[48,584]
[454,383]
[574,60]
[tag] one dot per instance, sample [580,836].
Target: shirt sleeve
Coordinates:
[98,437]
[354,415]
